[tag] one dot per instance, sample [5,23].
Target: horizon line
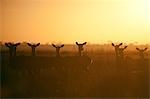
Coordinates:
[89,43]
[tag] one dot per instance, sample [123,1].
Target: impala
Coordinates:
[12,48]
[141,52]
[33,47]
[58,49]
[80,48]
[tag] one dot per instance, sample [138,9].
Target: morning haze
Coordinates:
[75,49]
[68,21]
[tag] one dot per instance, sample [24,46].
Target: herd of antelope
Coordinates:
[13,46]
[119,51]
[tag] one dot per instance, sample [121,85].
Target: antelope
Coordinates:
[12,48]
[58,49]
[121,52]
[80,47]
[116,49]
[141,52]
[33,46]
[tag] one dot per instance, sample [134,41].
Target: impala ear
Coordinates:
[138,49]
[145,49]
[84,43]
[38,44]
[29,44]
[77,43]
[7,44]
[17,44]
[125,47]
[120,44]
[62,45]
[53,45]
[112,44]
[10,44]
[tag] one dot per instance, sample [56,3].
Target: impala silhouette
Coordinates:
[12,48]
[58,49]
[33,47]
[80,48]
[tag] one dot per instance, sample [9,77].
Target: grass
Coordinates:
[46,76]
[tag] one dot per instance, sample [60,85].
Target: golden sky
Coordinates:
[67,21]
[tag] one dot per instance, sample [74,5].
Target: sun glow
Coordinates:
[140,9]
[68,21]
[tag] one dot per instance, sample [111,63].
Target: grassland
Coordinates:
[45,75]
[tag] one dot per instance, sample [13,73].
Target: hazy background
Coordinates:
[67,21]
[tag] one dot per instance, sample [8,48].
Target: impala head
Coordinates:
[80,46]
[120,51]
[58,48]
[12,48]
[12,44]
[141,50]
[33,45]
[15,45]
[116,46]
[8,45]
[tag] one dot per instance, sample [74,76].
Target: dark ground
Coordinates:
[46,76]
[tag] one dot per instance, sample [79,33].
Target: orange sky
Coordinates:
[67,21]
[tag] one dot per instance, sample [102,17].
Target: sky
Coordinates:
[68,21]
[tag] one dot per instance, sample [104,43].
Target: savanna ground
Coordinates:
[45,75]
